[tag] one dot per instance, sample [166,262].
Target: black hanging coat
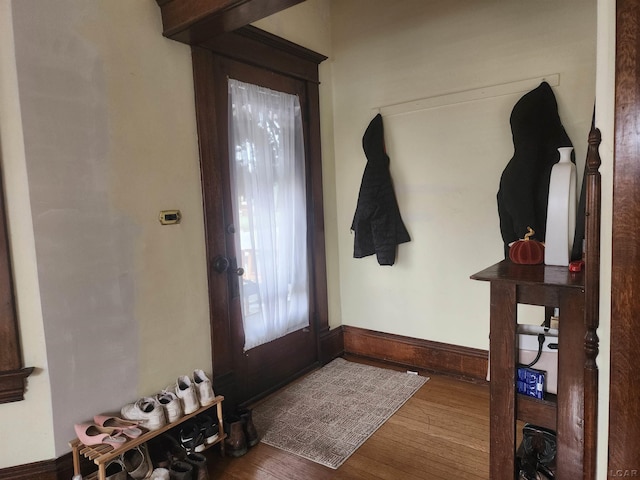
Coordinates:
[524,186]
[377,223]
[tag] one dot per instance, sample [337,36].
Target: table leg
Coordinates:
[503,358]
[571,361]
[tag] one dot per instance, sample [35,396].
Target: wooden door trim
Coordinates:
[194,21]
[624,416]
[12,373]
[253,46]
[204,88]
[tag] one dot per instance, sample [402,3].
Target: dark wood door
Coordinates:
[242,376]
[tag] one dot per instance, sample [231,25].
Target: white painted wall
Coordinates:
[109,140]
[446,161]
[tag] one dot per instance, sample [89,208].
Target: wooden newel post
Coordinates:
[592,305]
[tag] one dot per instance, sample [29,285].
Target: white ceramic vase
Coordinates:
[561,211]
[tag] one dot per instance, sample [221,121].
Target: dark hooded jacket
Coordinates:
[377,223]
[524,186]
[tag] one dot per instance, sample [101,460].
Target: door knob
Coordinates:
[221,264]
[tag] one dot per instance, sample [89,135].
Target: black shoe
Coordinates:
[181,471]
[536,455]
[208,428]
[164,450]
[541,443]
[199,463]
[191,437]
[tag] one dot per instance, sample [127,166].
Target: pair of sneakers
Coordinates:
[147,411]
[171,404]
[154,412]
[195,391]
[199,432]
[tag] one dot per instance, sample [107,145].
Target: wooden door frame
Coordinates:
[624,395]
[253,46]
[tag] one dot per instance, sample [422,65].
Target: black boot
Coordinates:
[235,444]
[164,450]
[181,471]
[248,427]
[199,463]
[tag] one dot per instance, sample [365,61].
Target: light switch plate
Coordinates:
[170,217]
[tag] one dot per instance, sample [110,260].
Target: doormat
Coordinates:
[328,414]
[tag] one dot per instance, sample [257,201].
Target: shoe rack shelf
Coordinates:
[102,454]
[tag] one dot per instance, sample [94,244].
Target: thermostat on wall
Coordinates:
[170,217]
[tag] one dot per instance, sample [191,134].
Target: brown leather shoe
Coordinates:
[249,428]
[236,443]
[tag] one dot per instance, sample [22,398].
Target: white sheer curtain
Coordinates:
[267,167]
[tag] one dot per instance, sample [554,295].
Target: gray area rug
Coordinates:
[328,414]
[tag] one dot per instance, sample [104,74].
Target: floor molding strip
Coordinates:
[464,362]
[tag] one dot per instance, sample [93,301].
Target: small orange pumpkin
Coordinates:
[527,251]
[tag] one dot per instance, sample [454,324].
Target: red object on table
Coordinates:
[576,266]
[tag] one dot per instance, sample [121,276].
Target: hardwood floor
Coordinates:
[442,432]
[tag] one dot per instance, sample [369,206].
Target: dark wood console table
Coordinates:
[549,286]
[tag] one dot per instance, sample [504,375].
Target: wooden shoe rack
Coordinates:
[102,454]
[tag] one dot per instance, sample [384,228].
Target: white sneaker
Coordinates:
[147,411]
[203,388]
[186,391]
[160,474]
[171,405]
